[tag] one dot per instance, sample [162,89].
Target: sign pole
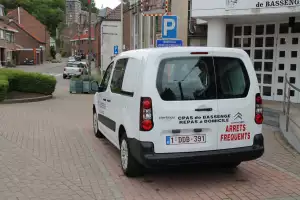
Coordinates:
[90,39]
[122,25]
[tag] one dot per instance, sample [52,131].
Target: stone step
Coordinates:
[271,117]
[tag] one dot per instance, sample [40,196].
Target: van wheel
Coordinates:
[231,164]
[97,133]
[130,166]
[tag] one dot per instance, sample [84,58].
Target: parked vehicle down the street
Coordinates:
[28,61]
[75,69]
[78,57]
[181,105]
[71,59]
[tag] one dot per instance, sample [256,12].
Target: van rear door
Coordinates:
[185,110]
[236,98]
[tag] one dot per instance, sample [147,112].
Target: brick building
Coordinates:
[80,44]
[8,46]
[32,28]
[31,45]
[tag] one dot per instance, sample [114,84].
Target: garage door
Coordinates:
[274,50]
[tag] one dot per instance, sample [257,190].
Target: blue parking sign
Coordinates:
[116,49]
[169,27]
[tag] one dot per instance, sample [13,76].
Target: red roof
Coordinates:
[33,32]
[23,28]
[85,35]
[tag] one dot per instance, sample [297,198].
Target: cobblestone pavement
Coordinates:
[48,151]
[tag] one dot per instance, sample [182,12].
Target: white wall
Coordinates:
[222,8]
[110,36]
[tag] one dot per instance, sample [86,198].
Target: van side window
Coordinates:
[104,82]
[232,78]
[186,78]
[118,75]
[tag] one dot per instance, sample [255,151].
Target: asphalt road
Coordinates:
[48,151]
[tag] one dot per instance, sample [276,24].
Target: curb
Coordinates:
[291,136]
[27,100]
[277,119]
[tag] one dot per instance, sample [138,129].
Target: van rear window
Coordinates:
[202,78]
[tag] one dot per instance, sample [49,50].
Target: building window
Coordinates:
[9,37]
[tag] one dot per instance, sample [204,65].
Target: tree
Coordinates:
[85,6]
[52,51]
[48,12]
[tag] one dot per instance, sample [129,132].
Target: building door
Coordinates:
[288,61]
[274,51]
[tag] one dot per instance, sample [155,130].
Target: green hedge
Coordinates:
[3,87]
[31,82]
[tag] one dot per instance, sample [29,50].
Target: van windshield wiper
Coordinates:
[180,82]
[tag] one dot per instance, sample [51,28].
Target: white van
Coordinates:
[182,105]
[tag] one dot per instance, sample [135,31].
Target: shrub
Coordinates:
[10,64]
[25,82]
[3,87]
[52,52]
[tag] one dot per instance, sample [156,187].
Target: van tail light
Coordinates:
[64,69]
[259,118]
[79,70]
[146,114]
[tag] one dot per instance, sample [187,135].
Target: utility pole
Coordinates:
[122,25]
[90,38]
[79,34]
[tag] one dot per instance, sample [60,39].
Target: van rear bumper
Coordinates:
[144,154]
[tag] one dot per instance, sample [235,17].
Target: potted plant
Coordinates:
[87,83]
[76,85]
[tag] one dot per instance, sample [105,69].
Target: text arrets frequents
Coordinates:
[235,132]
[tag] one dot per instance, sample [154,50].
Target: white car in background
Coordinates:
[71,59]
[75,69]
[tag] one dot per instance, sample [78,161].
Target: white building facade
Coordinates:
[110,37]
[268,30]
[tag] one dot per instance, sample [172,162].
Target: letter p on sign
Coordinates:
[169,27]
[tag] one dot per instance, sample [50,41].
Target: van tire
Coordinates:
[131,168]
[97,133]
[231,165]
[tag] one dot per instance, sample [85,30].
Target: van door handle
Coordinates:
[203,109]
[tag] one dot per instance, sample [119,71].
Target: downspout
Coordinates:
[19,17]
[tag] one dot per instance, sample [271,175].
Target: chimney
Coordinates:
[1,10]
[19,17]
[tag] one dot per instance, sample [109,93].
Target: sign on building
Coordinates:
[154,7]
[249,4]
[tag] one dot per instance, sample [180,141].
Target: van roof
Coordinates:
[142,53]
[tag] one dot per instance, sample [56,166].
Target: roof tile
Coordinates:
[115,14]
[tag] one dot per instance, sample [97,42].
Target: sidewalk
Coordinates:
[45,66]
[274,111]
